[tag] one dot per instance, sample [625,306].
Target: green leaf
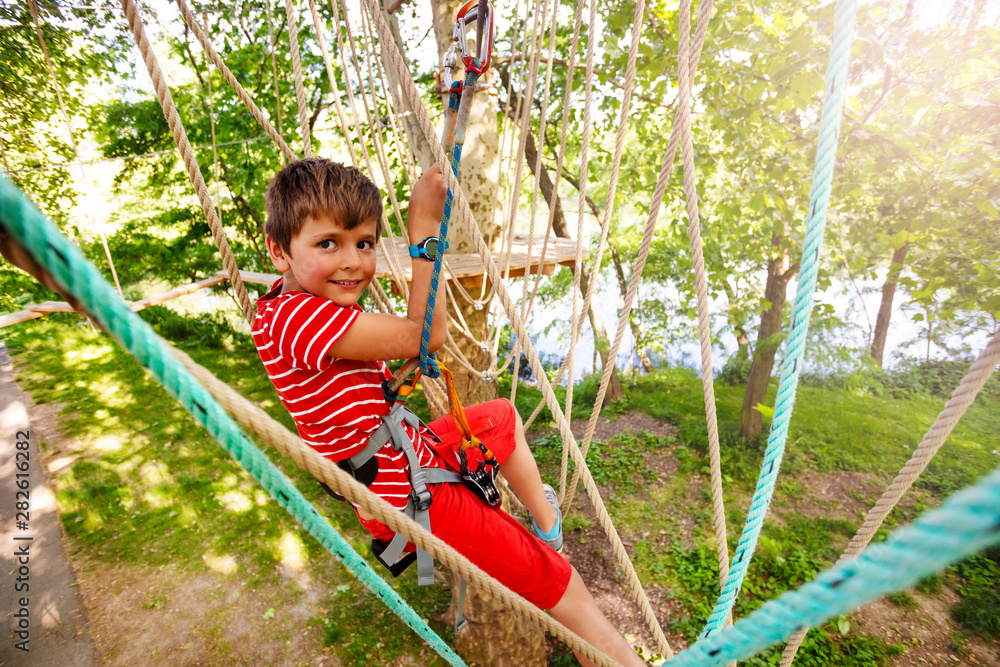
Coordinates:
[268,614]
[844,626]
[764,410]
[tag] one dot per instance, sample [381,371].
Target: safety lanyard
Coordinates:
[453,136]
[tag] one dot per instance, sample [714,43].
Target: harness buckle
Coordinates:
[469,13]
[422,500]
[397,568]
[481,480]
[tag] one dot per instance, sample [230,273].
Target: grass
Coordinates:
[148,487]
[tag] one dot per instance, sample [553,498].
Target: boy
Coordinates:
[325,356]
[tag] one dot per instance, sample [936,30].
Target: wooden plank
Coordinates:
[47,307]
[253,277]
[19,316]
[466,266]
[35,311]
[469,267]
[136,306]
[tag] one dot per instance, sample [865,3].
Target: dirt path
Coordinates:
[43,613]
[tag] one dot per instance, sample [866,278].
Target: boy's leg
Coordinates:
[578,612]
[521,472]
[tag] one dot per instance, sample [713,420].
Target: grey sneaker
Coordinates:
[554,537]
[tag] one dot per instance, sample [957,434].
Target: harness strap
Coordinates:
[417,506]
[463,587]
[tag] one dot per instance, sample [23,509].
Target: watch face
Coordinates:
[432,248]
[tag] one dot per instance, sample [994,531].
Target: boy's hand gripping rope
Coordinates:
[453,139]
[819,199]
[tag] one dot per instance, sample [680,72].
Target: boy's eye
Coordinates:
[326,244]
[366,245]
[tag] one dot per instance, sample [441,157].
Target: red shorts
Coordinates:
[492,539]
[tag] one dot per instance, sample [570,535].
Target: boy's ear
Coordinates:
[279,256]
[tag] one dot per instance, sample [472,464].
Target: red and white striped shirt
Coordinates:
[336,403]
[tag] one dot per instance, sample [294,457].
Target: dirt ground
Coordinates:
[166,616]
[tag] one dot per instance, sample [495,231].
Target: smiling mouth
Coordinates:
[346,283]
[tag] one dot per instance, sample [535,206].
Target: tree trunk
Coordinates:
[885,309]
[768,338]
[492,635]
[415,138]
[559,226]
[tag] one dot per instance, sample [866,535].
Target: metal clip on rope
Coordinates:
[453,137]
[469,13]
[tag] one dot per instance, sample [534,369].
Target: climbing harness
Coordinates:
[453,136]
[479,478]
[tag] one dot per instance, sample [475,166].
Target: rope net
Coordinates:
[385,123]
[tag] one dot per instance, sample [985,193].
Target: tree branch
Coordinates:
[562,62]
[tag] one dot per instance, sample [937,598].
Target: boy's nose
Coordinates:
[351,256]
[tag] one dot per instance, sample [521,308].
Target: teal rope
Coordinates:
[29,226]
[819,198]
[965,523]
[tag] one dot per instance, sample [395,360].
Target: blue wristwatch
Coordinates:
[428,249]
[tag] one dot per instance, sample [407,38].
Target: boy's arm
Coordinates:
[376,336]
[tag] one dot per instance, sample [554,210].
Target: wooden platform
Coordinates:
[467,269]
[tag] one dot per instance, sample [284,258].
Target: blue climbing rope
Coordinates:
[819,199]
[459,103]
[965,523]
[29,226]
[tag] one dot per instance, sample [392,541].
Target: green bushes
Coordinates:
[208,330]
[913,377]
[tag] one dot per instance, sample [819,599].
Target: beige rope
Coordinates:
[211,119]
[274,71]
[333,81]
[640,8]
[701,287]
[524,128]
[258,115]
[300,94]
[187,154]
[258,421]
[665,173]
[577,318]
[560,156]
[467,218]
[527,301]
[391,257]
[72,135]
[402,150]
[960,400]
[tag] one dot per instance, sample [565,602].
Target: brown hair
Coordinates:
[316,186]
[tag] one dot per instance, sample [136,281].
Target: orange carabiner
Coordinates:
[469,13]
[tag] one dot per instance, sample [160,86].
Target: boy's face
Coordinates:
[327,260]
